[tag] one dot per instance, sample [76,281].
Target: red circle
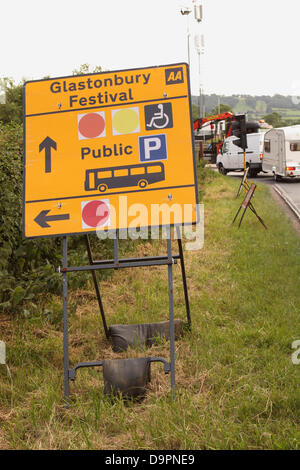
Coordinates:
[95,213]
[91,125]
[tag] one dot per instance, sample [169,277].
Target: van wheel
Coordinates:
[143,184]
[102,188]
[277,178]
[253,173]
[222,169]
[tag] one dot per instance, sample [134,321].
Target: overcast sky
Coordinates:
[251,46]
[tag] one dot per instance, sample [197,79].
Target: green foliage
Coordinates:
[275,119]
[195,112]
[222,108]
[85,69]
[205,176]
[12,109]
[53,313]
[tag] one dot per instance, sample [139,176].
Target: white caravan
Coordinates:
[282,152]
[231,158]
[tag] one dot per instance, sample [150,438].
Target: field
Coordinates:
[236,385]
[290,114]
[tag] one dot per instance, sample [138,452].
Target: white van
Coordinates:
[231,158]
[282,152]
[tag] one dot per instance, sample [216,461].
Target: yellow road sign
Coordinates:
[108,150]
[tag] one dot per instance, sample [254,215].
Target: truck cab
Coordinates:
[231,157]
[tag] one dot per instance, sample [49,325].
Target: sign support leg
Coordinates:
[171,312]
[96,285]
[116,251]
[243,215]
[182,265]
[65,320]
[237,215]
[259,218]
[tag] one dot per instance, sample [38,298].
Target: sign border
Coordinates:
[101,73]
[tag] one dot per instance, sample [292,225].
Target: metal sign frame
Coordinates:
[167,260]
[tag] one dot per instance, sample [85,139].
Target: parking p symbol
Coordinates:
[151,144]
[153,148]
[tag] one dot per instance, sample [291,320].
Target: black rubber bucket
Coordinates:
[129,377]
[126,377]
[141,335]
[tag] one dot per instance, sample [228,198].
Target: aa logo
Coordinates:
[174,75]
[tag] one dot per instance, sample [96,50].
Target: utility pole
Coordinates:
[199,45]
[186,11]
[199,48]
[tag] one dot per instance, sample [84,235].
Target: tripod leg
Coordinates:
[259,218]
[242,217]
[96,285]
[182,265]
[236,215]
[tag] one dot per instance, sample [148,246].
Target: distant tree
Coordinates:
[11,109]
[280,101]
[250,101]
[223,108]
[85,69]
[275,119]
[195,112]
[261,107]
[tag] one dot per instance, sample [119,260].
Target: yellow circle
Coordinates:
[126,120]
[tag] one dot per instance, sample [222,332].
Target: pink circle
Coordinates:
[91,125]
[95,213]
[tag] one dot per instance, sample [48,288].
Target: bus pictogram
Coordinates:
[124,176]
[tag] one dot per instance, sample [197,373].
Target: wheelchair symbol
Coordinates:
[158,116]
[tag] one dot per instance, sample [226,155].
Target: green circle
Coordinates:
[126,121]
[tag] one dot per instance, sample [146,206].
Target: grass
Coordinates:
[236,386]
